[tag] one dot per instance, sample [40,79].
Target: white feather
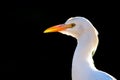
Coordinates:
[87,37]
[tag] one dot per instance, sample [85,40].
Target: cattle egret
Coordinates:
[83,67]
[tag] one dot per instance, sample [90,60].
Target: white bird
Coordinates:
[86,34]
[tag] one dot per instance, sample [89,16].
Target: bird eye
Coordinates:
[73,24]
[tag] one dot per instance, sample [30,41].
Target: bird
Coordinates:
[83,67]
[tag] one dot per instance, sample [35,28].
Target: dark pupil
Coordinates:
[73,24]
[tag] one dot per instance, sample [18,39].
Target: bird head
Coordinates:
[74,27]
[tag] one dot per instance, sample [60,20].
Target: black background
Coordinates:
[49,56]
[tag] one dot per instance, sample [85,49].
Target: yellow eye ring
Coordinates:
[73,24]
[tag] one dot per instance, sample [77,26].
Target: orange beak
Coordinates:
[58,28]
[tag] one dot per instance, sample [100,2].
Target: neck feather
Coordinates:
[82,59]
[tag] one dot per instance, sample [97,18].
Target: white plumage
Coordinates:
[87,38]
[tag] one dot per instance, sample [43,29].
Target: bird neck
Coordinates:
[83,53]
[82,63]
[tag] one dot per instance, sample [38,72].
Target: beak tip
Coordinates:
[45,31]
